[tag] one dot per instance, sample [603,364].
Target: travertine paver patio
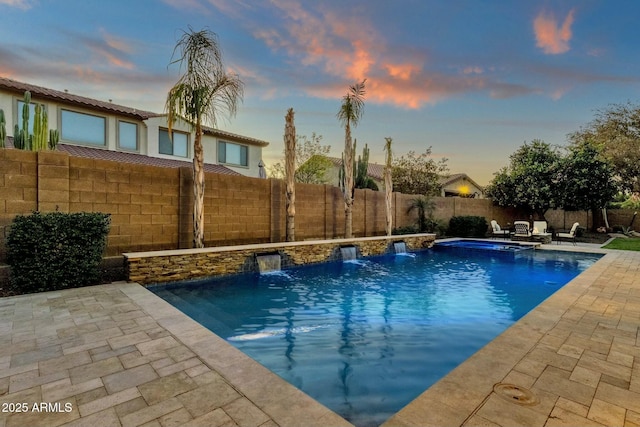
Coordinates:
[118,355]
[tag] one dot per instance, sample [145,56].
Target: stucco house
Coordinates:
[456,185]
[100,129]
[460,185]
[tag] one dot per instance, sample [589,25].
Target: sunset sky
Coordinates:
[473,79]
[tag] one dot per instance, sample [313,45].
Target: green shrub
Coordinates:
[468,226]
[56,250]
[407,229]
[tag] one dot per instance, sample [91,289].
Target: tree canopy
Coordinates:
[540,177]
[615,132]
[415,173]
[586,179]
[311,162]
[531,179]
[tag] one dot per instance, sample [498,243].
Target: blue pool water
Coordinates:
[366,337]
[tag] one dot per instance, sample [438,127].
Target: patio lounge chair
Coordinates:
[522,230]
[539,232]
[570,236]
[497,231]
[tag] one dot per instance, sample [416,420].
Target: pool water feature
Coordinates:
[365,339]
[485,245]
[268,262]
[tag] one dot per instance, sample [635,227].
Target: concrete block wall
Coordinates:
[151,207]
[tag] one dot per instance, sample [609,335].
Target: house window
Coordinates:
[233,154]
[128,136]
[176,146]
[83,128]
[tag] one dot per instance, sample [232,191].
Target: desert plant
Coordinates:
[350,113]
[3,128]
[290,161]
[54,138]
[197,98]
[388,185]
[424,206]
[40,128]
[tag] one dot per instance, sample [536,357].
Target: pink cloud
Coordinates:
[550,37]
[20,4]
[402,71]
[346,48]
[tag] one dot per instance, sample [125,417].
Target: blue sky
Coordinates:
[473,79]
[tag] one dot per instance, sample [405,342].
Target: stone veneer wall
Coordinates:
[185,264]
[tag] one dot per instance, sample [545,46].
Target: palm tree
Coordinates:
[388,185]
[349,115]
[425,206]
[290,171]
[202,91]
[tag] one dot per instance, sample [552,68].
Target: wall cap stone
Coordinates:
[269,246]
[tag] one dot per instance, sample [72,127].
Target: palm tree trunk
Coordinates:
[348,184]
[198,190]
[290,162]
[388,188]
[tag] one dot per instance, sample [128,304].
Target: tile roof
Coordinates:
[134,158]
[67,98]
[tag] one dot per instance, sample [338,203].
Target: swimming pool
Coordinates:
[366,337]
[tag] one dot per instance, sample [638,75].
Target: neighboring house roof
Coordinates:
[446,180]
[239,138]
[66,98]
[138,159]
[374,170]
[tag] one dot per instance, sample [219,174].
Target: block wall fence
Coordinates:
[151,207]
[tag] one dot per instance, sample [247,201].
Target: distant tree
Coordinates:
[311,162]
[615,131]
[530,181]
[418,173]
[586,180]
[350,113]
[197,98]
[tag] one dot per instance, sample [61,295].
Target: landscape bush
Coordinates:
[468,226]
[50,251]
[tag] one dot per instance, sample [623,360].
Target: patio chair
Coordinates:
[522,230]
[497,231]
[539,232]
[570,236]
[539,227]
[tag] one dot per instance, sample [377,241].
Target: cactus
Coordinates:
[18,138]
[40,126]
[54,138]
[37,141]
[3,129]
[25,111]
